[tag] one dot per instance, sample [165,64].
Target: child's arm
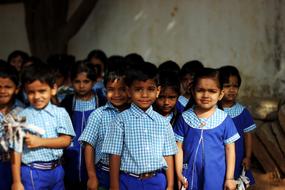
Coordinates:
[92,182]
[248,150]
[169,172]
[33,141]
[179,166]
[115,164]
[230,183]
[16,171]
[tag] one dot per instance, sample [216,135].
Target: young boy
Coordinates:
[97,128]
[38,167]
[141,142]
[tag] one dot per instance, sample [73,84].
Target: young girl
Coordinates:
[79,106]
[98,124]
[243,121]
[8,105]
[205,137]
[167,98]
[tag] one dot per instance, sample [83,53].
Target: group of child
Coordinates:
[129,126]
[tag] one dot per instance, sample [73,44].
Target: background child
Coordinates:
[241,117]
[187,73]
[79,105]
[17,59]
[167,98]
[40,168]
[97,128]
[8,105]
[141,141]
[205,137]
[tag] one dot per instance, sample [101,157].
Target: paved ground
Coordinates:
[269,181]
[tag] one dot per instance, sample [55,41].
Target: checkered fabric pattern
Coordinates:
[142,139]
[54,120]
[183,101]
[97,128]
[80,105]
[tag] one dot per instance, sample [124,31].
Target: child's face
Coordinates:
[186,83]
[231,90]
[39,93]
[143,93]
[207,93]
[7,89]
[83,86]
[166,100]
[17,62]
[117,93]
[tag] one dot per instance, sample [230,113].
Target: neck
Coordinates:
[6,108]
[202,113]
[228,104]
[86,97]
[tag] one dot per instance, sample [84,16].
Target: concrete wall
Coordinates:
[247,34]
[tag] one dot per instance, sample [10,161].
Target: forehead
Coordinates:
[5,80]
[115,83]
[36,85]
[168,90]
[147,83]
[208,83]
[81,76]
[233,79]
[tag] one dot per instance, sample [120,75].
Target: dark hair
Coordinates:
[8,71]
[142,72]
[118,74]
[38,71]
[202,74]
[134,58]
[83,66]
[169,79]
[98,54]
[115,62]
[227,71]
[17,53]
[61,64]
[169,66]
[191,67]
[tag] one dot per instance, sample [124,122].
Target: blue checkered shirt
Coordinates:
[98,126]
[142,139]
[55,121]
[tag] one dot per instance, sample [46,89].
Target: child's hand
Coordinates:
[17,186]
[246,163]
[182,181]
[32,141]
[230,184]
[92,183]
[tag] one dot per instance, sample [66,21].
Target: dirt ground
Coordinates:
[268,181]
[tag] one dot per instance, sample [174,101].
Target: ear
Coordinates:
[17,90]
[221,95]
[158,91]
[54,90]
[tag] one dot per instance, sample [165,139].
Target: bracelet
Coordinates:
[230,179]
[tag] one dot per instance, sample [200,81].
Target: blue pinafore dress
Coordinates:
[204,140]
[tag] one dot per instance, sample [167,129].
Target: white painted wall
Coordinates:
[217,32]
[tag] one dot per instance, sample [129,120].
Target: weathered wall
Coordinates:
[247,34]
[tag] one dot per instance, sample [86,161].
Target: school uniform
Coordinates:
[98,126]
[41,167]
[5,162]
[181,103]
[74,160]
[142,139]
[244,124]
[204,140]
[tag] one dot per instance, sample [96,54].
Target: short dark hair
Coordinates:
[169,66]
[8,71]
[191,67]
[169,79]
[227,71]
[142,72]
[38,71]
[114,75]
[17,53]
[83,66]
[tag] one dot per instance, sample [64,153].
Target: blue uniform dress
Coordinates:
[181,103]
[98,126]
[244,124]
[204,140]
[54,121]
[5,163]
[74,160]
[142,139]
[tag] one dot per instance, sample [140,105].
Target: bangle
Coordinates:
[230,179]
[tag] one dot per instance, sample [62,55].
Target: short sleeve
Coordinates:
[64,123]
[230,132]
[170,147]
[179,129]
[249,124]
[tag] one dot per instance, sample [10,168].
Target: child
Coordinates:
[38,167]
[241,117]
[97,129]
[8,105]
[141,143]
[167,98]
[205,137]
[187,74]
[17,59]
[79,105]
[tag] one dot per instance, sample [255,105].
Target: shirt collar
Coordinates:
[139,112]
[235,110]
[48,109]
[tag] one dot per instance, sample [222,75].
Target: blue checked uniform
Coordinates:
[5,166]
[98,126]
[141,139]
[55,121]
[244,124]
[181,103]
[204,140]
